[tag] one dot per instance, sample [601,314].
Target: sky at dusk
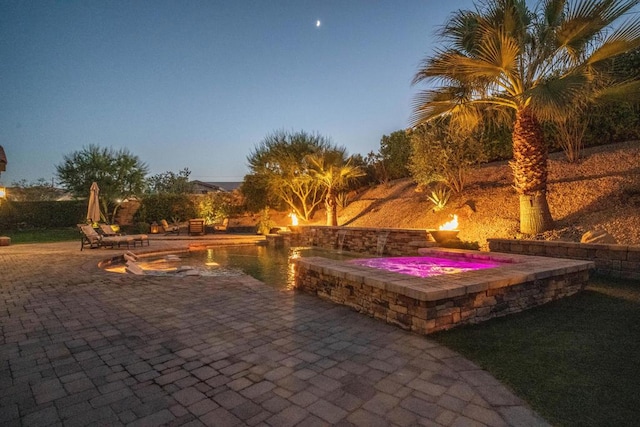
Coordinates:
[197,84]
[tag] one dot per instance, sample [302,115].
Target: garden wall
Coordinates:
[612,260]
[375,241]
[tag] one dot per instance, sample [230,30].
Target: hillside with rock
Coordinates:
[601,192]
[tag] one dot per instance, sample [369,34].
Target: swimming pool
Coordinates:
[270,265]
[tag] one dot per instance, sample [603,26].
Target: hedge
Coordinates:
[46,214]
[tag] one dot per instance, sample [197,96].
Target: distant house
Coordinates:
[201,187]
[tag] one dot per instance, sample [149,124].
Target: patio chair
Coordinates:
[169,229]
[108,231]
[196,226]
[222,226]
[91,238]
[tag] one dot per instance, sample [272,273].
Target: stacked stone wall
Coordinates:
[420,313]
[374,241]
[612,260]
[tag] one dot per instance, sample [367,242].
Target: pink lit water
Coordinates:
[425,266]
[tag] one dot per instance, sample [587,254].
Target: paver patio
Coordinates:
[81,346]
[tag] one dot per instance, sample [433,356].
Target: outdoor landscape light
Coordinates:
[155,228]
[447,231]
[3,192]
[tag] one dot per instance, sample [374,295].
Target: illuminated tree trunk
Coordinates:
[529,167]
[331,205]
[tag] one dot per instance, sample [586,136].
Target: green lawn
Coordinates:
[42,236]
[575,361]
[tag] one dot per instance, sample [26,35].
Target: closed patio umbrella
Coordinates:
[3,160]
[93,210]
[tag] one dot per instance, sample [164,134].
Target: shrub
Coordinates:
[172,207]
[214,207]
[265,223]
[441,154]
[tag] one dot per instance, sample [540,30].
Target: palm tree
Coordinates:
[331,170]
[537,65]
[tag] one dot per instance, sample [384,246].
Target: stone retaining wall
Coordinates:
[375,241]
[426,305]
[612,260]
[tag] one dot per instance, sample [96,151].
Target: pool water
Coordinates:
[425,266]
[267,264]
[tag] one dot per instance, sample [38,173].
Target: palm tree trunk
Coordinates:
[529,167]
[331,206]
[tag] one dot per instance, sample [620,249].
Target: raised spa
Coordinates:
[469,286]
[425,266]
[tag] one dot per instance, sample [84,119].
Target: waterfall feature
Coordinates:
[341,236]
[382,241]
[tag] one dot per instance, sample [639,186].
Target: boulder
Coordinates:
[598,236]
[465,211]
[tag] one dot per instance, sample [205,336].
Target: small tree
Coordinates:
[279,164]
[570,136]
[395,150]
[214,207]
[170,183]
[255,192]
[377,166]
[441,154]
[118,173]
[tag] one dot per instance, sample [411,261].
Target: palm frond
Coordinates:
[501,51]
[554,98]
[429,104]
[502,55]
[462,30]
[457,66]
[587,19]
[553,12]
[623,39]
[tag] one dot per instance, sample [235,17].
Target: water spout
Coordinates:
[382,241]
[341,235]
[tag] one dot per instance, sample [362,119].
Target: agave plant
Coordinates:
[440,197]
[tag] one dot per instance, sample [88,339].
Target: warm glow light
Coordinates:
[451,225]
[3,192]
[294,218]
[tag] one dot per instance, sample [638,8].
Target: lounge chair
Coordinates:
[222,226]
[108,231]
[169,229]
[91,238]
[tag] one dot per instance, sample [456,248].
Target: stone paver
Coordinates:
[81,346]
